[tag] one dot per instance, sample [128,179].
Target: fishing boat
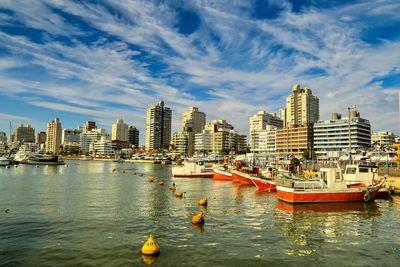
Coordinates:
[193,169]
[264,184]
[331,187]
[222,174]
[242,176]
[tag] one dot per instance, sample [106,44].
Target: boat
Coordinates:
[242,176]
[193,169]
[264,184]
[222,174]
[39,159]
[4,161]
[331,187]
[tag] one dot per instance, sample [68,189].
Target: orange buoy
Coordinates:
[173,188]
[198,218]
[179,194]
[150,179]
[203,202]
[151,247]
[161,183]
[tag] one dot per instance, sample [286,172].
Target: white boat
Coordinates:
[193,169]
[4,161]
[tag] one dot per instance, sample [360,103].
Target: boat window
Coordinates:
[363,169]
[351,170]
[323,176]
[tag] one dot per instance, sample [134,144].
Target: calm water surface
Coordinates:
[85,215]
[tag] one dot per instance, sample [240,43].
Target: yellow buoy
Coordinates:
[150,247]
[150,179]
[173,187]
[199,218]
[113,170]
[203,202]
[161,183]
[179,194]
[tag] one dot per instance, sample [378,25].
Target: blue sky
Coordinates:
[103,60]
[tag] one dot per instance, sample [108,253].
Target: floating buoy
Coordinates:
[161,183]
[150,179]
[151,247]
[173,187]
[113,170]
[199,218]
[203,202]
[179,194]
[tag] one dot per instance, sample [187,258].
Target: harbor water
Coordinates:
[84,214]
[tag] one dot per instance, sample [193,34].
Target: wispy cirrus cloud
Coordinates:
[230,59]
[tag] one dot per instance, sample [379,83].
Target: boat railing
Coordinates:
[299,185]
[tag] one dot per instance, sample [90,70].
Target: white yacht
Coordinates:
[4,161]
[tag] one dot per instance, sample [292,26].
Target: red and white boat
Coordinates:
[222,175]
[263,184]
[330,188]
[241,177]
[192,169]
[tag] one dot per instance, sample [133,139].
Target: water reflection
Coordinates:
[328,207]
[149,260]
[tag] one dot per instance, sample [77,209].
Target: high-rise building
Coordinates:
[294,140]
[261,122]
[224,139]
[103,148]
[88,138]
[119,131]
[203,143]
[133,136]
[158,126]
[3,137]
[24,133]
[180,143]
[331,137]
[302,107]
[90,125]
[193,122]
[41,138]
[70,140]
[54,135]
[2,148]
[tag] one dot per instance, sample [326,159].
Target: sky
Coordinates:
[104,60]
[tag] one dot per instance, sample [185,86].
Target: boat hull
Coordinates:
[264,185]
[222,175]
[355,194]
[242,178]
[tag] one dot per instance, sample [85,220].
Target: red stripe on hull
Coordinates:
[235,177]
[314,197]
[264,185]
[222,176]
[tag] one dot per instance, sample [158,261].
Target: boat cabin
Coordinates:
[332,177]
[360,173]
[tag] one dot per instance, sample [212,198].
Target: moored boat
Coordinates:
[330,188]
[222,175]
[263,184]
[241,177]
[192,169]
[4,161]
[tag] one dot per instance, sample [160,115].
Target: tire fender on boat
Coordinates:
[367,197]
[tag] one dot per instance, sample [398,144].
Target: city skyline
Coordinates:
[97,61]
